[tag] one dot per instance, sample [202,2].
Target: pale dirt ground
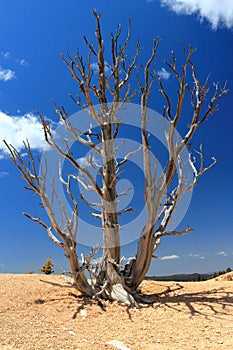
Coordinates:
[35,315]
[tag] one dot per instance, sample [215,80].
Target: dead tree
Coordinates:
[112,91]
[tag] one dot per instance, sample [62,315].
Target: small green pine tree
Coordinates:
[48,267]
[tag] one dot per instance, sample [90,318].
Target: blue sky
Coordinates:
[32,36]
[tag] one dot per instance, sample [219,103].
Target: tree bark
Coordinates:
[143,259]
[79,277]
[160,199]
[110,225]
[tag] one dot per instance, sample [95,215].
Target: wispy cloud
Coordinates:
[3,174]
[198,256]
[5,54]
[169,257]
[6,74]
[163,74]
[222,253]
[20,61]
[2,265]
[85,162]
[16,129]
[23,62]
[216,12]
[107,69]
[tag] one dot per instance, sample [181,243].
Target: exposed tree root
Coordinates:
[118,293]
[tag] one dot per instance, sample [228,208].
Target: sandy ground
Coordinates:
[35,315]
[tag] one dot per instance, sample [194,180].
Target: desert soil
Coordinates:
[36,315]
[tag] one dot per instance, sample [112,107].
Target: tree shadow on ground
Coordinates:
[214,302]
[174,297]
[70,298]
[57,299]
[85,301]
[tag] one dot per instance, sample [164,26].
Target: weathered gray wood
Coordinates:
[110,279]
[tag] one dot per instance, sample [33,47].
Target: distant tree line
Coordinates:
[218,273]
[204,277]
[194,277]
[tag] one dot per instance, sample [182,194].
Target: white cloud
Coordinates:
[95,67]
[83,162]
[163,74]
[217,12]
[6,74]
[23,62]
[16,129]
[5,54]
[169,257]
[3,174]
[222,253]
[2,265]
[198,256]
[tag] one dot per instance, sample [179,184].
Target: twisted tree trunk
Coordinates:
[110,225]
[161,193]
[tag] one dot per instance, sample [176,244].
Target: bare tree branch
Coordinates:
[66,154]
[126,210]
[48,229]
[90,204]
[173,233]
[127,156]
[96,81]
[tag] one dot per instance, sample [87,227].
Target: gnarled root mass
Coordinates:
[113,292]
